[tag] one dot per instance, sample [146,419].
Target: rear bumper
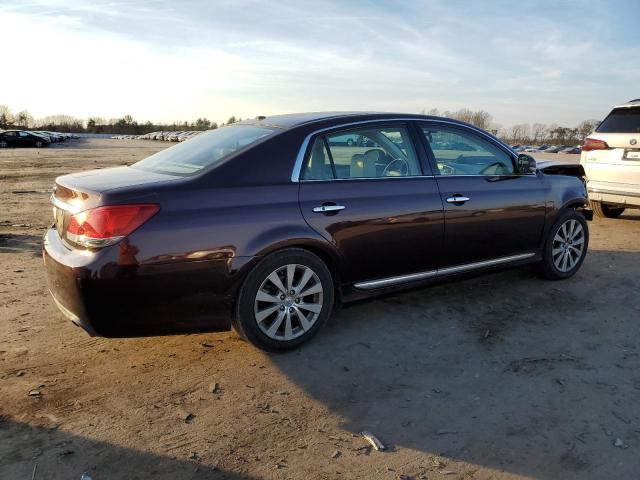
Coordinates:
[614,193]
[111,300]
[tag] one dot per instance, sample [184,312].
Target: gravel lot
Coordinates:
[502,376]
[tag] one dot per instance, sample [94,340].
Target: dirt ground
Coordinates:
[497,377]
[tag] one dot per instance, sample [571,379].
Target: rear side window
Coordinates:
[372,152]
[204,150]
[621,120]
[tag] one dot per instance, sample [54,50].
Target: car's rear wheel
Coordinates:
[284,300]
[608,211]
[566,246]
[3,144]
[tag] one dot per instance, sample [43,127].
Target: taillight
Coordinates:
[593,144]
[107,225]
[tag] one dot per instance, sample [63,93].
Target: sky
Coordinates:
[523,61]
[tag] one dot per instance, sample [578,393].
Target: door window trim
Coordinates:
[306,143]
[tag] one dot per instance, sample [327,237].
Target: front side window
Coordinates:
[370,152]
[204,150]
[462,153]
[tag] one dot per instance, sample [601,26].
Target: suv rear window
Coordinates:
[621,120]
[205,150]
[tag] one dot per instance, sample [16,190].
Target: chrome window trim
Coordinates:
[397,280]
[297,167]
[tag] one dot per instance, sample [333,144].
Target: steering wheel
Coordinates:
[495,164]
[404,167]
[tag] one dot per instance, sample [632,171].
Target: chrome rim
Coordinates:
[568,245]
[288,302]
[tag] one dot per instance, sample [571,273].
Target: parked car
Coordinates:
[572,150]
[266,224]
[553,149]
[611,159]
[23,138]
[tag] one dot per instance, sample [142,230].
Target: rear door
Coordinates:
[490,211]
[372,199]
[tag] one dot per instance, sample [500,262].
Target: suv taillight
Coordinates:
[102,226]
[593,144]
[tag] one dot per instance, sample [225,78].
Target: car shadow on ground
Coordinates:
[506,371]
[61,455]
[17,243]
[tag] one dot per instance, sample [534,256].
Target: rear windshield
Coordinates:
[621,120]
[204,150]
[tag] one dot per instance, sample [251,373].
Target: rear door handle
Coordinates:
[456,198]
[328,208]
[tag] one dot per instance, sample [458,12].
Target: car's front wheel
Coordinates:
[284,300]
[608,211]
[38,144]
[566,246]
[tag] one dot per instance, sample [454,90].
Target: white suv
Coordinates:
[611,160]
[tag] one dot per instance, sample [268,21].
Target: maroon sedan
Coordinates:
[266,225]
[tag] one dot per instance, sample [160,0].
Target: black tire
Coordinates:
[245,322]
[3,144]
[38,144]
[606,211]
[548,265]
[350,143]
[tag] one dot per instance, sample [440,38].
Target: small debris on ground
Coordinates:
[186,417]
[214,387]
[620,444]
[34,393]
[373,440]
[336,454]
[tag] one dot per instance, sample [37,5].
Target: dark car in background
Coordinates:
[22,138]
[266,225]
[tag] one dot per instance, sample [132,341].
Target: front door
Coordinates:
[364,190]
[491,212]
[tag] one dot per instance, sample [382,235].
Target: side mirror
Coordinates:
[526,164]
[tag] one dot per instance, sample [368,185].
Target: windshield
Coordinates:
[621,120]
[204,150]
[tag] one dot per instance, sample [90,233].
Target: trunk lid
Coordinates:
[81,191]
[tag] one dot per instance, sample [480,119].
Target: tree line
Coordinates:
[126,125]
[523,133]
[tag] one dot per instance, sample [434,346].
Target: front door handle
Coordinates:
[328,208]
[457,198]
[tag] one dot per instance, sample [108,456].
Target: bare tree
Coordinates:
[537,131]
[586,127]
[6,117]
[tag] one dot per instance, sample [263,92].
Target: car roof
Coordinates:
[293,120]
[631,103]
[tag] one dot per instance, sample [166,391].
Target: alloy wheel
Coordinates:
[568,245]
[288,302]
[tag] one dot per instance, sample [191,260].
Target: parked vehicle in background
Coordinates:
[174,242]
[611,159]
[23,138]
[572,150]
[553,149]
